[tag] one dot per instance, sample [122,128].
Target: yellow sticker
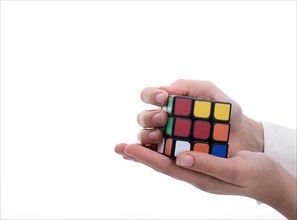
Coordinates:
[222,111]
[202,109]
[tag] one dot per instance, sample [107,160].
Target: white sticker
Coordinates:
[160,148]
[181,146]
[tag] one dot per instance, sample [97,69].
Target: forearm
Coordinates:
[288,205]
[285,195]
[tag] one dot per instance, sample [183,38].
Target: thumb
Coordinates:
[220,168]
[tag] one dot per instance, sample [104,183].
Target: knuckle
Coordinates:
[209,84]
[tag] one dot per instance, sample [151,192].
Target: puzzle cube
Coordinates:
[196,125]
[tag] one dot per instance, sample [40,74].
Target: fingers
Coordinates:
[150,136]
[206,90]
[119,148]
[168,167]
[158,96]
[156,161]
[228,170]
[152,118]
[182,87]
[154,96]
[201,89]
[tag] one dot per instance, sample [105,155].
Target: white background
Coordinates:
[71,74]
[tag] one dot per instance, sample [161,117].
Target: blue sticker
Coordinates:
[219,150]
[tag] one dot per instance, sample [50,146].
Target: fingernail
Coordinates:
[157,118]
[160,98]
[185,161]
[153,136]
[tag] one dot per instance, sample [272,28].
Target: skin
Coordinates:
[247,171]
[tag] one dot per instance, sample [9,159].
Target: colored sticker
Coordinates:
[222,111]
[168,146]
[219,150]
[181,146]
[169,105]
[201,130]
[169,126]
[182,106]
[201,147]
[182,127]
[220,132]
[161,146]
[202,109]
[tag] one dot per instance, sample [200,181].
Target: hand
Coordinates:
[245,133]
[245,173]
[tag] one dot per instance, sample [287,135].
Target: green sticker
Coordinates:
[169,126]
[169,105]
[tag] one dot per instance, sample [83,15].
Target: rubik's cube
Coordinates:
[196,125]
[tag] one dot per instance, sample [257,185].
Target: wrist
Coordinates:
[253,135]
[256,134]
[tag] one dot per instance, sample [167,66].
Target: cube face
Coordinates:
[197,125]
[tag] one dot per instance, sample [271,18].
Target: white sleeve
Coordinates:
[280,144]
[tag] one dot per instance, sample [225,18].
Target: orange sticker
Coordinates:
[168,147]
[221,132]
[201,147]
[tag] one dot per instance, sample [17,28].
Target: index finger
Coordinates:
[159,96]
[154,96]
[196,89]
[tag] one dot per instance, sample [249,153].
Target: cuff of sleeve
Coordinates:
[280,144]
